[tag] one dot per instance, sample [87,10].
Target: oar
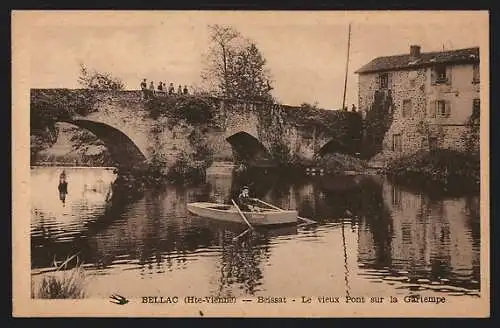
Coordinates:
[242,215]
[241,234]
[277,208]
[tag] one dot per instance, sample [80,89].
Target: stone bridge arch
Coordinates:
[334,146]
[248,148]
[122,149]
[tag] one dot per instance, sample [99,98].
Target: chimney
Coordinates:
[414,52]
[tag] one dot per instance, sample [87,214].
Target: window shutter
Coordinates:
[389,80]
[448,75]
[433,108]
[377,82]
[447,108]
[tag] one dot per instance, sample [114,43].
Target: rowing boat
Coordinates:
[229,213]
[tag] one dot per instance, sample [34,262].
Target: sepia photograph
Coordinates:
[250,164]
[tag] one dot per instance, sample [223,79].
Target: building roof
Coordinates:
[399,62]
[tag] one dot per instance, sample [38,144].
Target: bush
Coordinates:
[50,106]
[444,167]
[193,110]
[281,153]
[338,163]
[187,169]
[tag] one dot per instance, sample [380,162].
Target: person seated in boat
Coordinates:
[245,202]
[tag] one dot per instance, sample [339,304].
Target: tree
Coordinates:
[222,50]
[235,67]
[250,78]
[98,80]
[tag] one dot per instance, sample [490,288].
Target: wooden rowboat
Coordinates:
[229,213]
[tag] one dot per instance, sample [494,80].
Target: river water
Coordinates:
[374,238]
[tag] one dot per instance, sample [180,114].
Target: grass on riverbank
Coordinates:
[63,283]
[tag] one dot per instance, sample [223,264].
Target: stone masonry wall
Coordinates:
[125,112]
[416,123]
[128,112]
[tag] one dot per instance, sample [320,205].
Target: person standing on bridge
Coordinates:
[179,90]
[171,89]
[160,86]
[151,86]
[144,86]
[185,90]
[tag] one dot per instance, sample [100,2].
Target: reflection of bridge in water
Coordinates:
[401,235]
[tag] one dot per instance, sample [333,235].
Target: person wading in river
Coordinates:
[62,187]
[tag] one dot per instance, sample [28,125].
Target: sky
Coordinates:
[305,51]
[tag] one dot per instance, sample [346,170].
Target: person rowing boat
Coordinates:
[245,202]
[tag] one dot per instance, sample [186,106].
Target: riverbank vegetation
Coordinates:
[337,163]
[47,107]
[74,146]
[443,168]
[63,283]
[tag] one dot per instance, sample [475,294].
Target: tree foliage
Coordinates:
[377,122]
[249,76]
[235,67]
[224,44]
[98,80]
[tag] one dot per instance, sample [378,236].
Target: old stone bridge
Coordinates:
[137,130]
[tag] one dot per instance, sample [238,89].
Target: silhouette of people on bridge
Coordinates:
[150,91]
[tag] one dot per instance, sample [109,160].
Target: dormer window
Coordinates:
[440,74]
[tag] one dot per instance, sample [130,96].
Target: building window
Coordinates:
[476,109]
[440,75]
[406,107]
[396,196]
[384,80]
[396,143]
[475,73]
[442,108]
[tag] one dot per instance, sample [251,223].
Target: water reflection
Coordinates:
[371,231]
[422,240]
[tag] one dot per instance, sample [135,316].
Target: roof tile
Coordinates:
[397,62]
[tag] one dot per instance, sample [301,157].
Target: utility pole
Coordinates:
[346,65]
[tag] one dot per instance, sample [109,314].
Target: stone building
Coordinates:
[427,100]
